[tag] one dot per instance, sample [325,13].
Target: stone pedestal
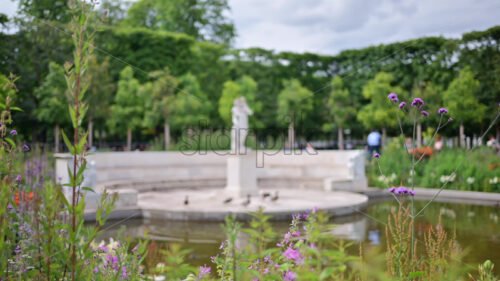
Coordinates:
[241,175]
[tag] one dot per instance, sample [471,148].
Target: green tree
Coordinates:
[50,10]
[244,87]
[202,19]
[340,109]
[127,111]
[431,94]
[379,112]
[158,98]
[293,101]
[53,101]
[99,96]
[190,106]
[460,99]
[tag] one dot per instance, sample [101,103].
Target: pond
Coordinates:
[477,230]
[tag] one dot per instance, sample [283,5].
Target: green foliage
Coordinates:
[158,97]
[460,98]
[379,113]
[100,92]
[175,266]
[127,111]
[204,20]
[293,101]
[190,107]
[52,95]
[485,272]
[478,175]
[339,105]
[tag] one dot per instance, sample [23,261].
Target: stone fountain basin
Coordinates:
[208,204]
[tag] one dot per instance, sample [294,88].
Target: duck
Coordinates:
[228,200]
[186,201]
[275,197]
[265,195]
[247,202]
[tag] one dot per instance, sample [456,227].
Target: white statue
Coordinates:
[239,131]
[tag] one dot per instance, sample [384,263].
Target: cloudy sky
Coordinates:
[329,26]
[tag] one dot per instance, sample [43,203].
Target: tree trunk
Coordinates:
[91,133]
[340,138]
[100,138]
[461,140]
[166,129]
[384,136]
[291,136]
[129,140]
[56,139]
[419,135]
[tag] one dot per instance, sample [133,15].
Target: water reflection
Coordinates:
[477,230]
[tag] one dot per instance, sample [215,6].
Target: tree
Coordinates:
[53,101]
[50,10]
[190,106]
[340,109]
[99,96]
[158,97]
[294,100]
[460,99]
[202,19]
[430,93]
[379,112]
[127,112]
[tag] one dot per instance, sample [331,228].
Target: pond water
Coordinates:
[477,230]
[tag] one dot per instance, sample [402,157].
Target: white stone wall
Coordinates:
[329,169]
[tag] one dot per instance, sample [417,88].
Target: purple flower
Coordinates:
[124,273]
[289,276]
[26,147]
[103,248]
[392,189]
[18,178]
[315,209]
[204,270]
[442,110]
[401,190]
[417,102]
[96,269]
[18,250]
[424,113]
[402,104]
[291,254]
[393,97]
[450,119]
[412,193]
[13,132]
[376,155]
[135,248]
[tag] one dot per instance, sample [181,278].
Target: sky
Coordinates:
[330,26]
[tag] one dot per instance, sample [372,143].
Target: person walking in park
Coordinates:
[373,141]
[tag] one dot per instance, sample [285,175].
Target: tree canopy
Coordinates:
[202,19]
